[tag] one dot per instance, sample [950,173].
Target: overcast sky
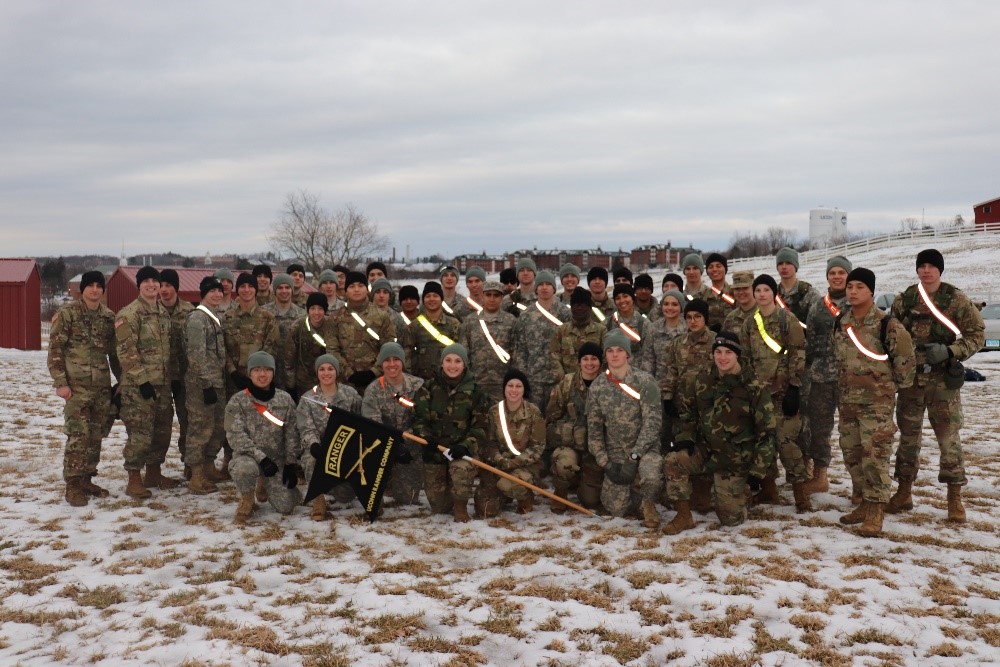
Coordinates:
[468,126]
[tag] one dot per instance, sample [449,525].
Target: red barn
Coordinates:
[20,304]
[987,212]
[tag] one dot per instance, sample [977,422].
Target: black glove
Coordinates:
[268,468]
[754,483]
[241,381]
[362,378]
[147,391]
[456,452]
[790,403]
[176,387]
[669,408]
[937,352]
[116,397]
[716,328]
[316,450]
[209,396]
[403,455]
[289,476]
[684,446]
[622,473]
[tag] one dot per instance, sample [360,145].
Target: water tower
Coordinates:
[827,226]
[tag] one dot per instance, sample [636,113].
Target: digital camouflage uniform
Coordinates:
[638,324]
[460,308]
[776,372]
[449,412]
[253,438]
[381,403]
[311,419]
[656,352]
[302,348]
[928,392]
[718,307]
[532,345]
[687,355]
[81,342]
[526,428]
[566,342]
[822,374]
[142,340]
[801,300]
[354,346]
[423,351]
[178,370]
[573,466]
[652,312]
[512,302]
[285,320]
[618,427]
[247,332]
[484,362]
[206,367]
[731,420]
[868,395]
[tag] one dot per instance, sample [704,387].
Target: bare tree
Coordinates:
[320,239]
[750,244]
[909,224]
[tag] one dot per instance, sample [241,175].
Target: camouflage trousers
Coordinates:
[620,499]
[206,426]
[729,489]
[342,493]
[146,422]
[866,437]
[944,411]
[408,478]
[245,472]
[161,437]
[820,406]
[446,484]
[789,454]
[88,417]
[574,470]
[802,439]
[540,393]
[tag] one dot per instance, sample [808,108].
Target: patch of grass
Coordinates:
[943,591]
[809,622]
[651,611]
[871,636]
[258,637]
[530,555]
[732,659]
[765,642]
[946,650]
[391,627]
[504,619]
[642,578]
[551,624]
[26,568]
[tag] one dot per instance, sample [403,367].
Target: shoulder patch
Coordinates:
[120,321]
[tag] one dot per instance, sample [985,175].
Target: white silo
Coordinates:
[826,226]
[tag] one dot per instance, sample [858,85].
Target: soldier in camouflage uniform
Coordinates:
[570,336]
[533,334]
[720,298]
[429,333]
[452,302]
[645,302]
[389,400]
[936,388]
[672,281]
[205,388]
[311,417]
[328,281]
[774,354]
[225,276]
[628,320]
[523,295]
[487,363]
[875,360]
[569,277]
[664,329]
[409,308]
[142,341]
[745,306]
[178,311]
[297,273]
[475,282]
[286,313]
[821,371]
[694,287]
[261,427]
[449,410]
[573,466]
[262,273]
[726,428]
[381,296]
[604,304]
[310,337]
[624,417]
[248,328]
[81,342]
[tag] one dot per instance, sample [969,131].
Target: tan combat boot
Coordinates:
[526,504]
[244,510]
[558,507]
[214,474]
[75,495]
[91,489]
[802,502]
[956,513]
[857,515]
[872,527]
[460,510]
[650,516]
[819,483]
[809,464]
[200,484]
[901,500]
[224,470]
[318,508]
[768,494]
[682,520]
[260,492]
[135,487]
[156,480]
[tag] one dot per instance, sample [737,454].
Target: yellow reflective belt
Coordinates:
[771,343]
[438,336]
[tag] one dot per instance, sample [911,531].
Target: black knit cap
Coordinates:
[867,276]
[146,273]
[262,270]
[675,279]
[376,265]
[597,272]
[355,277]
[408,292]
[728,340]
[931,256]
[292,268]
[432,287]
[589,348]
[643,280]
[246,279]
[317,299]
[622,288]
[209,283]
[91,277]
[764,279]
[717,257]
[623,272]
[697,306]
[581,295]
[515,374]
[170,277]
[508,276]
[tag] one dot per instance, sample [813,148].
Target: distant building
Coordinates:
[826,226]
[21,304]
[658,256]
[988,212]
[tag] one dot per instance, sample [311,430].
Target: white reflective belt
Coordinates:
[406,320]
[447,308]
[316,393]
[785,306]
[404,401]
[598,314]
[472,304]
[862,349]
[521,306]
[316,336]
[629,331]
[364,325]
[210,314]
[725,297]
[549,316]
[500,352]
[624,387]
[506,433]
[937,313]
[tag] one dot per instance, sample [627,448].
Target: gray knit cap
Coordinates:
[282,279]
[382,283]
[327,276]
[326,359]
[694,259]
[456,348]
[260,359]
[841,261]
[568,270]
[617,338]
[789,255]
[477,272]
[544,277]
[389,350]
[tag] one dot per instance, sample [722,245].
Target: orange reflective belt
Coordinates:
[831,306]
[624,387]
[629,331]
[264,412]
[402,400]
[316,393]
[725,297]
[781,302]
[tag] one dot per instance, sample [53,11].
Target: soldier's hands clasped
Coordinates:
[147,391]
[937,352]
[268,468]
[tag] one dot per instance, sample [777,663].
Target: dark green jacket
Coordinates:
[448,413]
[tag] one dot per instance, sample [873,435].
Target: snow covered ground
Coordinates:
[170,582]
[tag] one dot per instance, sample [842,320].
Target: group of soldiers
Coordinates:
[624,399]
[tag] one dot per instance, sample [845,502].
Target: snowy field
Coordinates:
[170,582]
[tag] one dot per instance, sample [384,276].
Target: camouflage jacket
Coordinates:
[652,311]
[566,342]
[285,322]
[924,328]
[460,308]
[398,323]
[248,332]
[302,348]
[868,381]
[252,434]
[512,302]
[718,307]
[605,306]
[299,298]
[821,362]
[526,428]
[333,306]
[689,354]
[619,425]
[311,418]
[566,414]
[142,340]
[354,345]
[801,299]
[737,317]
[637,324]
[483,360]
[656,351]
[81,342]
[423,350]
[178,320]
[264,298]
[205,347]
[703,292]
[450,413]
[731,420]
[533,342]
[381,402]
[774,370]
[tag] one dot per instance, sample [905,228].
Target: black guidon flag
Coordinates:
[358,451]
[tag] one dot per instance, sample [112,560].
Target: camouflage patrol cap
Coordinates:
[743,279]
[617,338]
[492,286]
